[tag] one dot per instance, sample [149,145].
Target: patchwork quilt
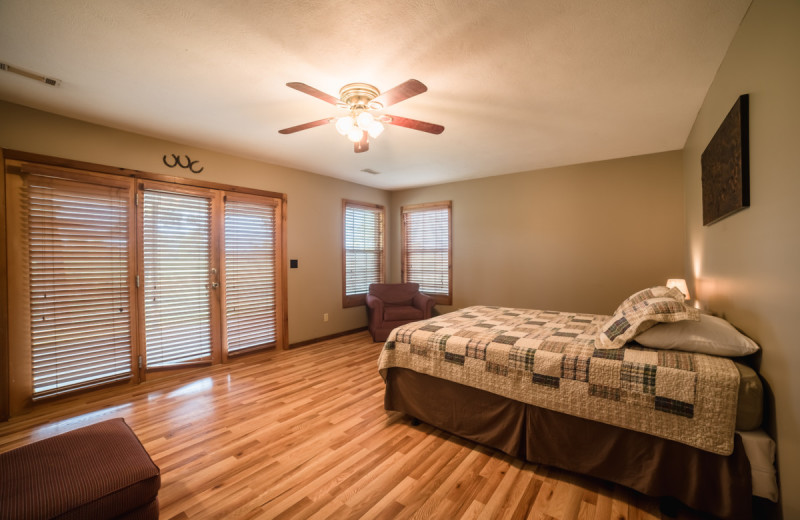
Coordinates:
[548,359]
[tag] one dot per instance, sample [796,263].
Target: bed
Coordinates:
[575,391]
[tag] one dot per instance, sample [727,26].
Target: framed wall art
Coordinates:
[726,166]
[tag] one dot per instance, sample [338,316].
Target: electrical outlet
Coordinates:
[325,317]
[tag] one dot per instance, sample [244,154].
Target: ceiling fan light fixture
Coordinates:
[355,134]
[344,124]
[375,129]
[365,120]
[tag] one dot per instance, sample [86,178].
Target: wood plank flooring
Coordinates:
[303,434]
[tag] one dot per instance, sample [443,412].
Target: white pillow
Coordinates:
[710,335]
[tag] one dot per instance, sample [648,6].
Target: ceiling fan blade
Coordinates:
[311,91]
[401,92]
[306,126]
[362,145]
[413,124]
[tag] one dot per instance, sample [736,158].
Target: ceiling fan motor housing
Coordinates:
[359,96]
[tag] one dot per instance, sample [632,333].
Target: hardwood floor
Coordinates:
[303,434]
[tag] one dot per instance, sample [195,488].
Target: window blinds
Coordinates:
[80,290]
[176,252]
[250,274]
[426,247]
[363,237]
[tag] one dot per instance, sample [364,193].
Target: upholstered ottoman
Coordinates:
[100,471]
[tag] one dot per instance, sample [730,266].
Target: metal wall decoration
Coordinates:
[726,166]
[176,161]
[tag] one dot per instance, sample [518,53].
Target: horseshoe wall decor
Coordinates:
[176,161]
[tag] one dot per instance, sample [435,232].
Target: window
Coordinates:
[426,256]
[80,292]
[363,261]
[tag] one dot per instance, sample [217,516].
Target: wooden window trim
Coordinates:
[355,300]
[18,390]
[442,299]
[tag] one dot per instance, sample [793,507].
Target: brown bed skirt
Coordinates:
[657,467]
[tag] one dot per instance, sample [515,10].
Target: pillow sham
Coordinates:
[709,335]
[640,312]
[659,291]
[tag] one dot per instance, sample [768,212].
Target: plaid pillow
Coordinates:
[659,291]
[641,311]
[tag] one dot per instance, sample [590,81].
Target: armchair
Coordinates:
[390,305]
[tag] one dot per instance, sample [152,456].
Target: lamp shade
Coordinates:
[355,134]
[344,124]
[364,120]
[375,129]
[680,284]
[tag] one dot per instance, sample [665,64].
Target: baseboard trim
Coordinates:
[326,338]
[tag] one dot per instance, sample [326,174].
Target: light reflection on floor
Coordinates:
[195,400]
[79,421]
[195,387]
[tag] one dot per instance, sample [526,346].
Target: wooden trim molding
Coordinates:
[327,338]
[4,344]
[441,299]
[16,163]
[355,300]
[126,172]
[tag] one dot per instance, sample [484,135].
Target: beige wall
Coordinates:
[747,266]
[576,238]
[314,209]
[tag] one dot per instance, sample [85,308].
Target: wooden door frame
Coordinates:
[213,196]
[281,326]
[85,167]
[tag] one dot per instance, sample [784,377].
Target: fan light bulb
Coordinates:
[365,120]
[375,129]
[355,134]
[344,124]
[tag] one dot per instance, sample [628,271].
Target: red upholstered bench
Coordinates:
[100,471]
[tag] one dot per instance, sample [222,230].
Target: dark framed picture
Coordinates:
[726,166]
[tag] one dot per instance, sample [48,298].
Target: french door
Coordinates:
[178,276]
[119,277]
[208,275]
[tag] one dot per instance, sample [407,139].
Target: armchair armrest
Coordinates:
[374,306]
[425,303]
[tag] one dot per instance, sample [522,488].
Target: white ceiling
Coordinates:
[518,84]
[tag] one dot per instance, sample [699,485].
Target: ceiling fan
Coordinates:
[360,99]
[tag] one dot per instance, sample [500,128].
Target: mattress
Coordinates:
[750,402]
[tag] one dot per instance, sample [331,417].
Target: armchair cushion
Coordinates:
[402,312]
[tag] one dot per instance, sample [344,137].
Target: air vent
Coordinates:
[31,75]
[371,171]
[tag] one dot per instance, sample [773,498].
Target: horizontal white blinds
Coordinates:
[363,238]
[426,253]
[250,274]
[79,284]
[176,253]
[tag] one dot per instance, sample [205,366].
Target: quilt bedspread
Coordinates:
[548,359]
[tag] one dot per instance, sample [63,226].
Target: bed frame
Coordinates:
[716,484]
